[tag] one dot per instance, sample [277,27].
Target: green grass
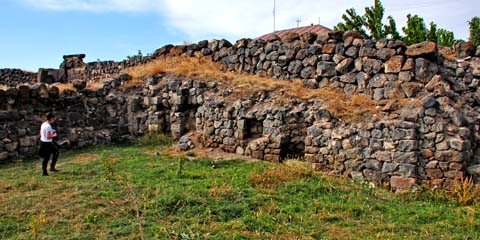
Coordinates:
[120,192]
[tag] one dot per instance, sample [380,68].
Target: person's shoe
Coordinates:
[54,170]
[45,174]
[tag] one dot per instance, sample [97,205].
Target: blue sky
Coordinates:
[37,33]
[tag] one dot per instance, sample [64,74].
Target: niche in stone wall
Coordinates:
[183,121]
[253,128]
[292,148]
[190,110]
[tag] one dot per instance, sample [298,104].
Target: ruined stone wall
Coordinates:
[13,77]
[83,118]
[426,130]
[109,69]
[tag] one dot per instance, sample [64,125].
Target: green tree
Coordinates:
[372,26]
[371,21]
[415,31]
[474,31]
[432,34]
[392,28]
[353,21]
[445,37]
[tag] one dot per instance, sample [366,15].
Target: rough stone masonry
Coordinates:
[426,131]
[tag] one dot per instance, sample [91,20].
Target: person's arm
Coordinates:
[50,133]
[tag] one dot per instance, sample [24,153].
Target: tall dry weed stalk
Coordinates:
[36,223]
[465,191]
[134,200]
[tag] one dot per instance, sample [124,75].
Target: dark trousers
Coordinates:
[47,149]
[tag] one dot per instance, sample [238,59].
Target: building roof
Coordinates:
[317,29]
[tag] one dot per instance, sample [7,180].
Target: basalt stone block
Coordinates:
[424,49]
[474,171]
[336,35]
[353,34]
[368,52]
[352,52]
[407,170]
[326,69]
[329,48]
[3,156]
[385,53]
[475,66]
[425,70]
[371,66]
[464,49]
[291,37]
[394,65]
[307,72]
[309,37]
[345,66]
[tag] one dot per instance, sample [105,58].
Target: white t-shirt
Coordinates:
[43,131]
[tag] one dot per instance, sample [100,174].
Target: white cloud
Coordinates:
[92,5]
[251,18]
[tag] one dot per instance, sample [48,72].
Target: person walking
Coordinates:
[47,144]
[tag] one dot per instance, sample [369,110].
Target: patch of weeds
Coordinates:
[134,200]
[108,162]
[465,191]
[181,166]
[36,223]
[424,194]
[154,139]
[218,190]
[274,176]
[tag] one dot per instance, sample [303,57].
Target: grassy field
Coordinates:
[130,192]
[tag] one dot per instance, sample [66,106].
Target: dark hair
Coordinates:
[49,115]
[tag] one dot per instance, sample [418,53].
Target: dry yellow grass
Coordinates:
[353,108]
[219,189]
[465,191]
[94,85]
[65,86]
[179,66]
[84,158]
[274,176]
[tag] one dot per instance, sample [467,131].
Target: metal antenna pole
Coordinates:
[273,15]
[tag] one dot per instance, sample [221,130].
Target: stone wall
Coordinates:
[12,77]
[426,130]
[83,118]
